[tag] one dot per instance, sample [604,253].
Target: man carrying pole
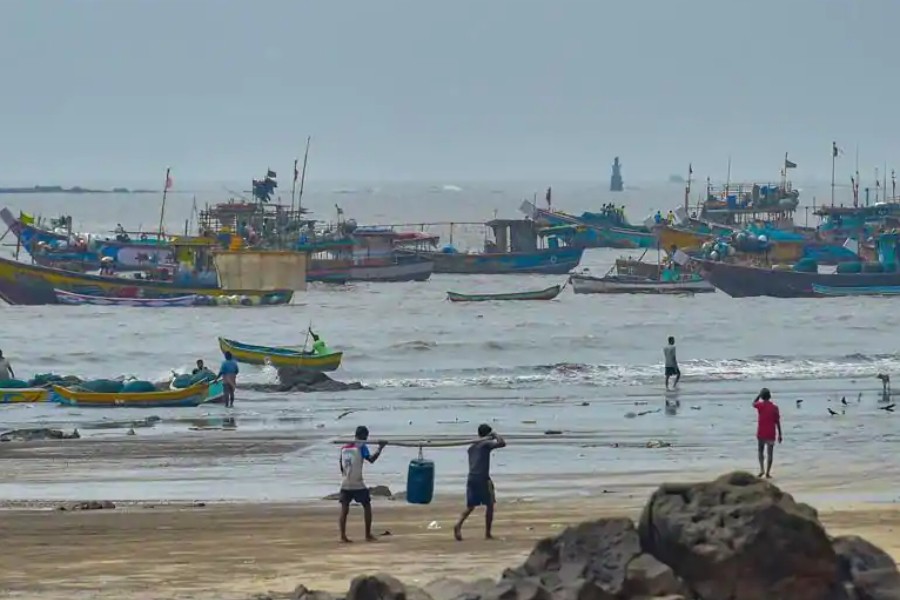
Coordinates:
[353,487]
[479,487]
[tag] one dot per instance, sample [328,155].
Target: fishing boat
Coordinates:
[280,356]
[23,395]
[619,284]
[27,284]
[606,229]
[546,294]
[515,248]
[829,291]
[370,254]
[739,281]
[191,396]
[64,297]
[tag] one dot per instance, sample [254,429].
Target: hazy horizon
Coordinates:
[411,91]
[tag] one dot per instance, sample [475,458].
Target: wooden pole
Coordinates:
[303,176]
[412,444]
[162,210]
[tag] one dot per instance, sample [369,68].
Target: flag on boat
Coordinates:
[835,151]
[548,196]
[271,174]
[168,181]
[789,164]
[25,218]
[296,173]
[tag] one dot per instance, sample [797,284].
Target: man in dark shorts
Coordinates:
[353,488]
[672,369]
[768,425]
[479,487]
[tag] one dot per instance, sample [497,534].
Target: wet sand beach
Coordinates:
[145,551]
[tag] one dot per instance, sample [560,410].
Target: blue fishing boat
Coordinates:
[875,290]
[515,248]
[606,229]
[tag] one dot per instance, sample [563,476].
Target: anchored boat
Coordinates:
[546,294]
[191,396]
[618,284]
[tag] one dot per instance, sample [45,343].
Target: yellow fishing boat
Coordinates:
[23,395]
[191,396]
[281,356]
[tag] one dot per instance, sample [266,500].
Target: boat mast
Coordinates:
[302,177]
[834,153]
[162,209]
[687,191]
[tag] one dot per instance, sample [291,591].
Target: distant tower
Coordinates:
[615,182]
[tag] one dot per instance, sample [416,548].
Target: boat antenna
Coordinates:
[302,177]
[162,210]
[687,190]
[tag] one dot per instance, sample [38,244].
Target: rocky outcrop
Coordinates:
[291,379]
[740,538]
[41,433]
[734,538]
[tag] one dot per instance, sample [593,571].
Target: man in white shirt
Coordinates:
[353,487]
[672,369]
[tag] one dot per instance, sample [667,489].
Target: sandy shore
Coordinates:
[233,551]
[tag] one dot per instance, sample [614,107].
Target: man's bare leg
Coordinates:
[367,515]
[760,449]
[488,521]
[457,529]
[771,458]
[342,521]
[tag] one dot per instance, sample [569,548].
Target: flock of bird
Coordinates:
[885,398]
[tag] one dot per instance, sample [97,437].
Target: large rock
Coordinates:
[870,569]
[595,551]
[292,379]
[741,538]
[447,588]
[383,587]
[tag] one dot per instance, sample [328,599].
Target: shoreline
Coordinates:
[231,551]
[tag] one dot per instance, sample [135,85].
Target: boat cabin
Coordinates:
[742,204]
[254,224]
[525,235]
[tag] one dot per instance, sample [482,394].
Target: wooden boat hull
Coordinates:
[23,395]
[828,291]
[583,284]
[546,294]
[550,261]
[280,356]
[27,284]
[740,281]
[192,396]
[70,298]
[340,271]
[637,268]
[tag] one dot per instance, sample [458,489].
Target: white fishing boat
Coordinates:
[624,284]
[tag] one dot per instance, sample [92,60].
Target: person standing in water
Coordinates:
[228,373]
[353,487]
[768,425]
[479,487]
[672,369]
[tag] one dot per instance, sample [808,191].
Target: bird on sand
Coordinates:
[889,407]
[832,413]
[844,400]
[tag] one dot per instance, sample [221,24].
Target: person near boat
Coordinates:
[228,373]
[6,370]
[200,368]
[768,425]
[319,348]
[479,487]
[672,369]
[353,486]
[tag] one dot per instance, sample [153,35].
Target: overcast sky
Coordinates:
[452,90]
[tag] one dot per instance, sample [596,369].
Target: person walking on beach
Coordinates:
[228,373]
[672,369]
[768,425]
[353,487]
[479,487]
[6,370]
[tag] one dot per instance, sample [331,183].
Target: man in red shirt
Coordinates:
[769,424]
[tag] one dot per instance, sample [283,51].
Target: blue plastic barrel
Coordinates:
[420,481]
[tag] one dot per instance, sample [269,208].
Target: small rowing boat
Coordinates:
[546,294]
[280,356]
[191,396]
[23,395]
[71,298]
[585,284]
